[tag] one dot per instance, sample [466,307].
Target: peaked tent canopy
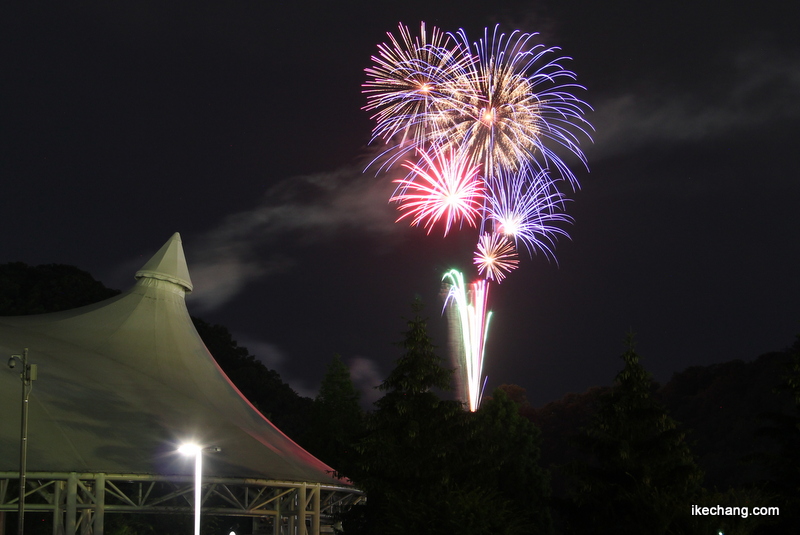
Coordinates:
[123,382]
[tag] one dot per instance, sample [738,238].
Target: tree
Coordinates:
[337,420]
[641,477]
[410,446]
[405,433]
[429,466]
[262,386]
[28,289]
[507,447]
[783,432]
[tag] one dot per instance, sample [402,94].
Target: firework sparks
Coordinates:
[527,208]
[407,85]
[446,188]
[511,100]
[496,256]
[472,320]
[485,118]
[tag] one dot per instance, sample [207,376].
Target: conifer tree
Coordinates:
[408,427]
[337,420]
[507,451]
[429,466]
[641,477]
[411,447]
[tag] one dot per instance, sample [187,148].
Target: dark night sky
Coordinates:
[240,126]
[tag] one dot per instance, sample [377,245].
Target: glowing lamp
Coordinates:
[191,449]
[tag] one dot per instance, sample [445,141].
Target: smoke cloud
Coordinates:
[299,211]
[763,89]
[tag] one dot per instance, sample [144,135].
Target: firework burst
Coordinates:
[527,209]
[511,103]
[446,188]
[484,120]
[495,256]
[408,85]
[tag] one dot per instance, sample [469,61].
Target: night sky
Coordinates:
[240,126]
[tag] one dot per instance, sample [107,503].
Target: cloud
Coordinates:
[366,375]
[296,212]
[268,354]
[763,90]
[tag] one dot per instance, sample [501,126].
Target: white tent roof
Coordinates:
[123,382]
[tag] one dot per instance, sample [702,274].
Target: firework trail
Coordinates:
[468,306]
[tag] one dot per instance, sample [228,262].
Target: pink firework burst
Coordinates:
[496,255]
[446,188]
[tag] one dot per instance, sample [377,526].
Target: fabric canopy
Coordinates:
[122,383]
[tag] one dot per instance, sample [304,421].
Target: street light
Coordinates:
[28,375]
[190,449]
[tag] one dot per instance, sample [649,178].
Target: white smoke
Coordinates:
[763,89]
[366,376]
[305,210]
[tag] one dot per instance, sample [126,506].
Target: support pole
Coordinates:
[72,503]
[58,508]
[315,506]
[99,504]
[276,525]
[302,504]
[27,377]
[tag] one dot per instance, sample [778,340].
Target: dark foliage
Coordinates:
[640,476]
[28,289]
[428,466]
[337,421]
[262,386]
[721,404]
[781,430]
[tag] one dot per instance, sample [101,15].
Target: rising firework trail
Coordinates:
[470,325]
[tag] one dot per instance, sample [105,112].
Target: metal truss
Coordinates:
[79,501]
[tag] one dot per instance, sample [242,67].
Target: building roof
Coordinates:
[123,382]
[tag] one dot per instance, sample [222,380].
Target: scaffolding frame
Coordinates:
[79,501]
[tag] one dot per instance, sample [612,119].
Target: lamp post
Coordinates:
[190,449]
[28,375]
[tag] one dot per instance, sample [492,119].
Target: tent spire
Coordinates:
[168,264]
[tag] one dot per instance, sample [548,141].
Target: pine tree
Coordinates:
[406,430]
[507,450]
[337,420]
[412,446]
[642,477]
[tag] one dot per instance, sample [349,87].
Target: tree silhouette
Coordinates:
[641,476]
[429,466]
[337,421]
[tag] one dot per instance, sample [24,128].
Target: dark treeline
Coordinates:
[627,459]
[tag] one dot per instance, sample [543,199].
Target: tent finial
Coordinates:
[168,264]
